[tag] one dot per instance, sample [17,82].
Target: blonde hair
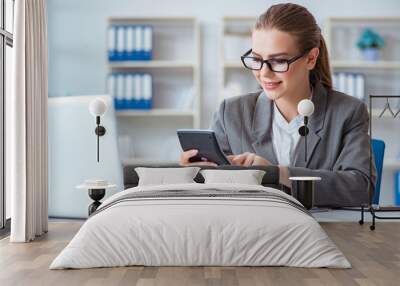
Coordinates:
[299,22]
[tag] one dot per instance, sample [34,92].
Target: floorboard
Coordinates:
[374,255]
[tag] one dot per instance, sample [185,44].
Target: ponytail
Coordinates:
[322,72]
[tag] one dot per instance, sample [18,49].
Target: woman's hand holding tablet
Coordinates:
[201,147]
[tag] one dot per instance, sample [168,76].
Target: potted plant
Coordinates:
[370,42]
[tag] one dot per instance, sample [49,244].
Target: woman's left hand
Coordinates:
[248,159]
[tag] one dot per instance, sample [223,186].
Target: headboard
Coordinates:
[270,179]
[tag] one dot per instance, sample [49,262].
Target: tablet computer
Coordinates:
[206,142]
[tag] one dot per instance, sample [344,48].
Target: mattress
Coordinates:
[201,225]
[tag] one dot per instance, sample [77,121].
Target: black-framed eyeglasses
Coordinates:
[275,65]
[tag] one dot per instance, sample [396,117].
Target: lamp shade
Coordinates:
[305,107]
[97,107]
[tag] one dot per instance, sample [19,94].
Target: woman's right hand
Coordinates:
[185,156]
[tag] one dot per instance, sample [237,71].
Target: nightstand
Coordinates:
[305,190]
[96,190]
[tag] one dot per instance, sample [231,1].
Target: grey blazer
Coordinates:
[338,142]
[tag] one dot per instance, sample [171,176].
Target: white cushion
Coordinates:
[248,177]
[165,176]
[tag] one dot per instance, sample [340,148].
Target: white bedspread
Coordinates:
[200,231]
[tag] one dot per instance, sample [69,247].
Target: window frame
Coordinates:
[6,39]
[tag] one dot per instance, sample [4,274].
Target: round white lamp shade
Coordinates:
[97,107]
[305,107]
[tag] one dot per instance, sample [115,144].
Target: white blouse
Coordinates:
[285,137]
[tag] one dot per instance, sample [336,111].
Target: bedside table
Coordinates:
[305,190]
[96,190]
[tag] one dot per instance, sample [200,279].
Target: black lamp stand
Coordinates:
[100,131]
[303,131]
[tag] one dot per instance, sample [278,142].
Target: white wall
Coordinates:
[77,44]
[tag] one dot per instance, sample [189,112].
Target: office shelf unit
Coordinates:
[175,70]
[235,41]
[341,35]
[381,77]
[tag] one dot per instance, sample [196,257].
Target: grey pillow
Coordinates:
[163,176]
[248,177]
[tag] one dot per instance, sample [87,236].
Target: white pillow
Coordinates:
[163,176]
[248,177]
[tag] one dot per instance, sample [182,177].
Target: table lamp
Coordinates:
[97,108]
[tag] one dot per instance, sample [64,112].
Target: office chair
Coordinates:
[378,151]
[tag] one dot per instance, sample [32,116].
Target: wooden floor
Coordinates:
[375,257]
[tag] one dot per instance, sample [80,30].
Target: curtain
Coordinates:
[26,123]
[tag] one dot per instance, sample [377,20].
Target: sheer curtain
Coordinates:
[26,123]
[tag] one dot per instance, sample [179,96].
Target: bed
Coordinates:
[197,224]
